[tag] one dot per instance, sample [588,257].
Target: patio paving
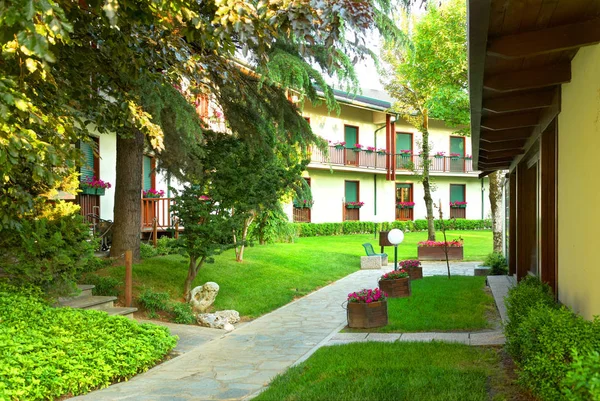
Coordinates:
[219,366]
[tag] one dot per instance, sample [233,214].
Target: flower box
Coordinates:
[412,267]
[415,273]
[339,146]
[437,253]
[398,288]
[458,206]
[353,207]
[367,315]
[93,191]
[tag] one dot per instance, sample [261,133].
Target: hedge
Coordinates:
[553,348]
[48,353]
[366,227]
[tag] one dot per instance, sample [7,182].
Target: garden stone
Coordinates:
[370,262]
[202,297]
[219,320]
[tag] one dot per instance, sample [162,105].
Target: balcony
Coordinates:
[159,210]
[444,164]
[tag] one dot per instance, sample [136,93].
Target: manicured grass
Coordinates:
[397,371]
[439,304]
[273,275]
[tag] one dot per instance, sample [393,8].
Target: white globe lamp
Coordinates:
[395,237]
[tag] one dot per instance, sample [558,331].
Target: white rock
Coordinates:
[228,327]
[219,320]
[202,297]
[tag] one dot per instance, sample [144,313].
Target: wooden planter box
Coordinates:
[415,273]
[93,191]
[437,253]
[399,288]
[366,316]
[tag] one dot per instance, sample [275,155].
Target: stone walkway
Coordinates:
[238,364]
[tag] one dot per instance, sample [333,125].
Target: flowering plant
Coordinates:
[440,154]
[92,182]
[405,205]
[455,243]
[359,204]
[153,193]
[454,155]
[381,151]
[358,146]
[458,204]
[405,152]
[205,198]
[468,157]
[366,296]
[409,263]
[371,149]
[301,203]
[395,274]
[339,144]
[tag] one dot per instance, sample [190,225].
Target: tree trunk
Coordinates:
[496,205]
[426,184]
[239,254]
[128,189]
[193,269]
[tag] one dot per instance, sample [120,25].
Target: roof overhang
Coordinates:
[519,56]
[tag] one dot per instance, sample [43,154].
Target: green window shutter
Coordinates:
[457,193]
[350,136]
[403,142]
[87,169]
[147,173]
[457,145]
[403,186]
[351,193]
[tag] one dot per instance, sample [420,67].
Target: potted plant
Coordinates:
[339,145]
[413,267]
[434,250]
[93,186]
[396,284]
[405,205]
[458,205]
[468,157]
[381,151]
[439,155]
[303,203]
[354,205]
[153,193]
[357,147]
[367,309]
[406,153]
[370,149]
[454,156]
[204,198]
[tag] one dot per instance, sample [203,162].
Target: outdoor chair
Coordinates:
[371,252]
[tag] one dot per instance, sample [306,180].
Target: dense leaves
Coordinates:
[49,352]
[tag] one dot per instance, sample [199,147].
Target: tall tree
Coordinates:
[427,74]
[496,206]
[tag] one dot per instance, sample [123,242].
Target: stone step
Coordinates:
[122,311]
[89,302]
[86,290]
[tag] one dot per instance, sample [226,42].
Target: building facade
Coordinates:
[373,159]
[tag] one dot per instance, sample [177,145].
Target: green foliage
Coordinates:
[154,301]
[548,337]
[48,252]
[364,227]
[147,251]
[48,353]
[103,285]
[582,381]
[272,226]
[95,263]
[497,264]
[182,313]
[529,294]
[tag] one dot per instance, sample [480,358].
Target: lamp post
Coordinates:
[395,237]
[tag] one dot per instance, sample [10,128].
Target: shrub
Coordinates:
[103,285]
[497,264]
[547,337]
[94,264]
[147,251]
[167,246]
[154,301]
[582,381]
[49,353]
[50,252]
[520,300]
[182,313]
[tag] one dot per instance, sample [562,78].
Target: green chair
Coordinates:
[371,252]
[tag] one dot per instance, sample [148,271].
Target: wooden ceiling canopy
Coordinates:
[520,53]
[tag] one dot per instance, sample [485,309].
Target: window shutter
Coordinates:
[351,193]
[147,184]
[350,136]
[403,142]
[457,193]
[457,145]
[87,169]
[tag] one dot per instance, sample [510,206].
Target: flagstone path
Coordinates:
[238,364]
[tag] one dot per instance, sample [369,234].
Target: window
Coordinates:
[404,143]
[404,195]
[457,153]
[351,194]
[302,214]
[91,163]
[351,139]
[458,194]
[149,177]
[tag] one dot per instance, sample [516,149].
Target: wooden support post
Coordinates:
[177,229]
[128,277]
[154,232]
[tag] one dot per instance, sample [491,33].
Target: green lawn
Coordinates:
[396,372]
[439,304]
[273,275]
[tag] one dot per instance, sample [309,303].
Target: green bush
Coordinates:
[154,301]
[582,381]
[50,252]
[49,353]
[547,338]
[147,251]
[167,246]
[521,299]
[497,264]
[103,285]
[367,227]
[182,313]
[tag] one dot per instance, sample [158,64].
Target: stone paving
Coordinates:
[238,364]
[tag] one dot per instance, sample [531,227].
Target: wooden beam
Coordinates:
[520,101]
[484,173]
[504,159]
[503,154]
[505,135]
[504,122]
[540,77]
[547,40]
[504,145]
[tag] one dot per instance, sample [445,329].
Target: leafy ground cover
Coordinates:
[272,275]
[52,352]
[397,371]
[439,304]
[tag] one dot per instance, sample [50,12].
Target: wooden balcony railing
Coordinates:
[458,213]
[159,209]
[444,164]
[301,215]
[404,214]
